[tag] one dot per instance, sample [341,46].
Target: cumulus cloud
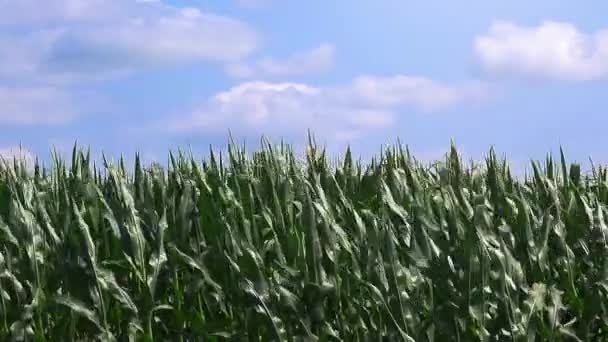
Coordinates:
[313,61]
[552,50]
[96,39]
[36,105]
[342,112]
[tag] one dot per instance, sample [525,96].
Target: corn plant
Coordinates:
[268,246]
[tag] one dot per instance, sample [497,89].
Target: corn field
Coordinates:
[267,246]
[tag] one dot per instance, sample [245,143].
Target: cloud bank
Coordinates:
[95,39]
[48,50]
[342,112]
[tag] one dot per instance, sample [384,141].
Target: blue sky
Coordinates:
[124,76]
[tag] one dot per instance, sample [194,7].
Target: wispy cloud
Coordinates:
[552,50]
[411,91]
[313,61]
[338,112]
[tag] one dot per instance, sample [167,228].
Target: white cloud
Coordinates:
[24,13]
[419,92]
[317,60]
[36,105]
[551,50]
[45,48]
[74,39]
[343,112]
[9,153]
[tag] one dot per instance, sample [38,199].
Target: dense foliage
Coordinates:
[266,246]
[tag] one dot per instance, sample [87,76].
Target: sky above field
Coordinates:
[149,76]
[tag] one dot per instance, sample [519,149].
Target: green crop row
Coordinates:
[271,247]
